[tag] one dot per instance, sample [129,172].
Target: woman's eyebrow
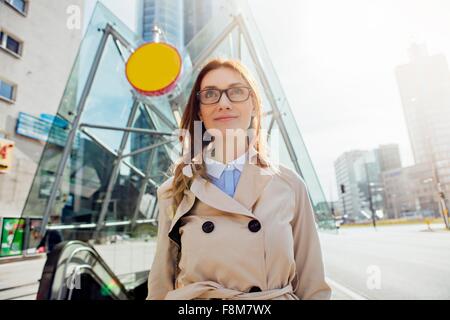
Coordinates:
[231,85]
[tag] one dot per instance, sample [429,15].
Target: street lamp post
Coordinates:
[369,194]
[343,198]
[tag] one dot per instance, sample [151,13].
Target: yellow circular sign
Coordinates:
[154,68]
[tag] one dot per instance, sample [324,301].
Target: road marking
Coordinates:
[345,290]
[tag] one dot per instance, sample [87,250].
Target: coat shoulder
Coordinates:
[292,178]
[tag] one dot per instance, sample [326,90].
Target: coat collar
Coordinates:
[251,183]
[216,168]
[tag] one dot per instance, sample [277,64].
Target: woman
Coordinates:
[231,224]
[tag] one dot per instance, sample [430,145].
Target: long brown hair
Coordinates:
[181,182]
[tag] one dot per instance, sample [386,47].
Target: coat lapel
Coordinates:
[251,183]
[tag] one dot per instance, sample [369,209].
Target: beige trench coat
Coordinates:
[260,244]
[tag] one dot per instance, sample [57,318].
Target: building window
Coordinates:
[13,45]
[10,43]
[7,91]
[19,5]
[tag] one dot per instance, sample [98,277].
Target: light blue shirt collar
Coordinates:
[216,168]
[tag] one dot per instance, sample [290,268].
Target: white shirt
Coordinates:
[215,168]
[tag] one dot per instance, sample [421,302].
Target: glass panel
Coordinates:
[124,195]
[209,33]
[159,169]
[277,148]
[137,141]
[13,45]
[83,185]
[162,106]
[248,61]
[110,100]
[101,17]
[148,202]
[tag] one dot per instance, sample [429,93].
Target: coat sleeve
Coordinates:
[162,274]
[309,282]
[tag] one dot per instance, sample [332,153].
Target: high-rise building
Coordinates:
[38,44]
[409,192]
[180,20]
[349,203]
[368,179]
[359,180]
[424,85]
[198,13]
[167,15]
[389,157]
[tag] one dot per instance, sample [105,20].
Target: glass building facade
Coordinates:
[167,16]
[118,145]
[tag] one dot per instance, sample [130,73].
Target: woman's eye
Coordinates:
[210,94]
[236,91]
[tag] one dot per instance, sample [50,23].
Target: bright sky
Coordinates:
[125,10]
[336,61]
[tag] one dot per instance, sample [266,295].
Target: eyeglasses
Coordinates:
[234,94]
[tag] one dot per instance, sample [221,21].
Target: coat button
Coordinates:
[254,226]
[255,289]
[208,227]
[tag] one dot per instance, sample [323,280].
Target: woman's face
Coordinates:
[226,114]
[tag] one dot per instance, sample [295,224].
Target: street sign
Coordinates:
[154,68]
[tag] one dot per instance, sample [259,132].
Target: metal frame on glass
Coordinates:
[239,35]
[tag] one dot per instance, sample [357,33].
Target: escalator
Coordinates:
[75,271]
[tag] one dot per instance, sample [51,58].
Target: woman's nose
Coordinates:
[224,102]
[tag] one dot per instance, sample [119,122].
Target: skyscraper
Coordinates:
[359,175]
[389,157]
[424,85]
[198,13]
[349,203]
[167,15]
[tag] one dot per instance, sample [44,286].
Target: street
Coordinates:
[392,262]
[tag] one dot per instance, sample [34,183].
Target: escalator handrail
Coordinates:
[53,263]
[97,257]
[93,274]
[66,265]
[92,250]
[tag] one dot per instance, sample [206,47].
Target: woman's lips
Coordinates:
[225,118]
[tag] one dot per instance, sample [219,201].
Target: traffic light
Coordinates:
[342,188]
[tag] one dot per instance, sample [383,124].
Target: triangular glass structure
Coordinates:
[99,174]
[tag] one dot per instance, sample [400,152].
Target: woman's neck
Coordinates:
[228,150]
